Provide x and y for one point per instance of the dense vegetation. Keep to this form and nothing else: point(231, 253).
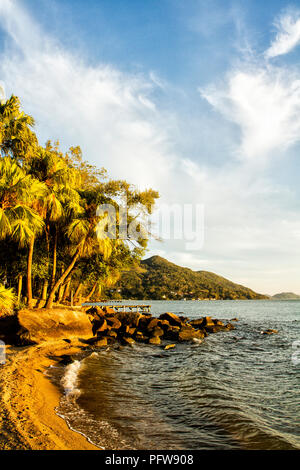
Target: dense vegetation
point(50, 248)
point(157, 278)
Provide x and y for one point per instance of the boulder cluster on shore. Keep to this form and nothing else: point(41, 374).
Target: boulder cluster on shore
point(127, 328)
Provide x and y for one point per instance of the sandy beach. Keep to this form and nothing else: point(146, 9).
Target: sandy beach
point(28, 400)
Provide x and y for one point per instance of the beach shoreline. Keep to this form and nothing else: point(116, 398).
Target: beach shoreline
point(28, 400)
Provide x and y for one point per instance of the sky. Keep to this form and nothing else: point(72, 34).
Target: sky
point(197, 99)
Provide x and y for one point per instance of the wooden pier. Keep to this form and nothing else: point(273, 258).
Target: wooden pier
point(129, 308)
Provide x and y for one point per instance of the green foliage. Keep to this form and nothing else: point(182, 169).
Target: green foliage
point(7, 299)
point(48, 214)
point(160, 279)
point(19, 192)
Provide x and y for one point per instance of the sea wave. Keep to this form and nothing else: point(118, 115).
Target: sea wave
point(69, 380)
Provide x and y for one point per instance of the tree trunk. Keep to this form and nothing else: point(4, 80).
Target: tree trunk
point(76, 294)
point(50, 300)
point(29, 270)
point(91, 293)
point(61, 291)
point(54, 260)
point(67, 290)
point(45, 289)
point(61, 288)
point(44, 293)
point(20, 282)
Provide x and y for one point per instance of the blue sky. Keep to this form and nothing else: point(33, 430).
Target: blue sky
point(198, 99)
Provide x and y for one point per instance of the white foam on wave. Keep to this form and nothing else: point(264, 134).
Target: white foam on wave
point(71, 410)
point(69, 380)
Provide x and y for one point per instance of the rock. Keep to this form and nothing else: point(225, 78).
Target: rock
point(199, 323)
point(101, 343)
point(127, 340)
point(131, 331)
point(65, 359)
point(197, 340)
point(188, 333)
point(143, 322)
point(173, 319)
point(137, 318)
point(155, 340)
point(234, 319)
point(229, 327)
point(95, 312)
point(91, 318)
point(214, 329)
point(91, 310)
point(157, 331)
point(169, 346)
point(202, 322)
point(184, 319)
point(99, 326)
point(269, 332)
point(91, 341)
point(108, 310)
point(164, 324)
point(172, 333)
point(38, 325)
point(100, 311)
point(127, 330)
point(112, 333)
point(129, 318)
point(113, 323)
point(152, 324)
point(208, 321)
point(218, 323)
point(140, 337)
point(157, 323)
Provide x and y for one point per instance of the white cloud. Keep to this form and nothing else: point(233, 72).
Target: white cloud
point(111, 114)
point(287, 37)
point(265, 104)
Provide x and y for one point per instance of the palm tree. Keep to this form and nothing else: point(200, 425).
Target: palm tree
point(82, 234)
point(19, 219)
point(49, 166)
point(16, 137)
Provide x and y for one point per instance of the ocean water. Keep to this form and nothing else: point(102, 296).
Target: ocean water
point(235, 390)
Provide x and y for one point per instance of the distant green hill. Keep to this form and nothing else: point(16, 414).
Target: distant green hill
point(286, 296)
point(158, 279)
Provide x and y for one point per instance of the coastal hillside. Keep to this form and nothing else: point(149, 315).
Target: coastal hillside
point(158, 278)
point(286, 296)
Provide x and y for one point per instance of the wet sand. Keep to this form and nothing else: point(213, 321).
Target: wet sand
point(28, 400)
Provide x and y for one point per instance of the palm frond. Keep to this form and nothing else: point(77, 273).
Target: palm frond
point(21, 232)
point(5, 226)
point(78, 230)
point(7, 298)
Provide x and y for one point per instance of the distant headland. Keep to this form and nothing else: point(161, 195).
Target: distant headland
point(159, 279)
point(286, 296)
